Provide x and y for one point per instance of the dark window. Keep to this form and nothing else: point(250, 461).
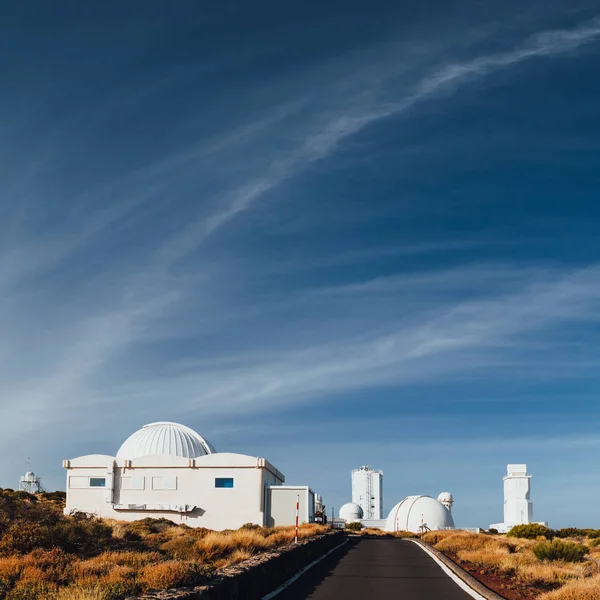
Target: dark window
point(224, 482)
point(97, 481)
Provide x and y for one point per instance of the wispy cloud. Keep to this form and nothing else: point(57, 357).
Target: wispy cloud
point(409, 341)
point(318, 145)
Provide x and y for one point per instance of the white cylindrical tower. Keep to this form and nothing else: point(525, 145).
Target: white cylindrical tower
point(518, 508)
point(367, 491)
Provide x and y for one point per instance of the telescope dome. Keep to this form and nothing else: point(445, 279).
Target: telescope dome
point(351, 512)
point(165, 439)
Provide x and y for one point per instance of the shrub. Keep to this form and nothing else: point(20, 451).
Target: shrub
point(594, 534)
point(27, 589)
point(404, 534)
point(173, 573)
point(569, 532)
point(560, 550)
point(356, 526)
point(493, 531)
point(531, 531)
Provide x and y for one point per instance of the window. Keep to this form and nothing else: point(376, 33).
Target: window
point(97, 481)
point(78, 482)
point(224, 482)
point(134, 482)
point(167, 482)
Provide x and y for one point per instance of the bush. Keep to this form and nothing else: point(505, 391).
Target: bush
point(560, 550)
point(493, 531)
point(356, 526)
point(569, 532)
point(594, 534)
point(531, 531)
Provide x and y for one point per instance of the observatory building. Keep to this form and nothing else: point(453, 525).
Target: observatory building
point(30, 482)
point(168, 470)
point(421, 513)
point(351, 512)
point(367, 491)
point(518, 508)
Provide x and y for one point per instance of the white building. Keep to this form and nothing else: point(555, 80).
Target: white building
point(168, 470)
point(421, 513)
point(367, 491)
point(518, 508)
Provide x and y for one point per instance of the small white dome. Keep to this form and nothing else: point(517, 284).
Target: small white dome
point(414, 511)
point(165, 439)
point(351, 512)
point(446, 499)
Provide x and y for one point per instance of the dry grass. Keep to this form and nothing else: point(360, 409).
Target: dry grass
point(581, 589)
point(380, 533)
point(45, 555)
point(513, 558)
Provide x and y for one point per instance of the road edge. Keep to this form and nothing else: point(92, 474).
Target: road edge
point(299, 574)
point(465, 580)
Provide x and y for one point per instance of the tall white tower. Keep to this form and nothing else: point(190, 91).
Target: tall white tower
point(367, 491)
point(518, 508)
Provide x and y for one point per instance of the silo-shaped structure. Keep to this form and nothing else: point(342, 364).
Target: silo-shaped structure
point(367, 491)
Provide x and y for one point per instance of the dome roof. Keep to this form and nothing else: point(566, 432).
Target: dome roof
point(165, 439)
point(351, 512)
point(410, 513)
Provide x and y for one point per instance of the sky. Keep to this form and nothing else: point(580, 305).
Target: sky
point(330, 233)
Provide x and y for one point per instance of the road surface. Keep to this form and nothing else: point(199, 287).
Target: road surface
point(373, 569)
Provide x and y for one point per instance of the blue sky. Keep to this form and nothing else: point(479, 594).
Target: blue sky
point(331, 234)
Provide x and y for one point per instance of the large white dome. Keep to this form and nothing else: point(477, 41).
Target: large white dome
point(166, 439)
point(414, 511)
point(351, 512)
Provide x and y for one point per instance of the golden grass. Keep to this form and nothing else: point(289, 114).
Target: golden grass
point(513, 557)
point(381, 533)
point(166, 556)
point(580, 589)
point(94, 592)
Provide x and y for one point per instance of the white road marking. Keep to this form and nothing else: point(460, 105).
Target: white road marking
point(300, 573)
point(450, 574)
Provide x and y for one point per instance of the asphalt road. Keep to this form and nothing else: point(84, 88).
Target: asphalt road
point(370, 569)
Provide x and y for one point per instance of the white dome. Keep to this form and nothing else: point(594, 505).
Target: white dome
point(166, 439)
point(445, 497)
point(414, 511)
point(351, 512)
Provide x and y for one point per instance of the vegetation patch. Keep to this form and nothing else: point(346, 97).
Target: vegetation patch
point(526, 568)
point(370, 532)
point(47, 555)
point(560, 550)
point(531, 531)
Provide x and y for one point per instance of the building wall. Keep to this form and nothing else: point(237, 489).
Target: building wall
point(227, 490)
point(281, 505)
